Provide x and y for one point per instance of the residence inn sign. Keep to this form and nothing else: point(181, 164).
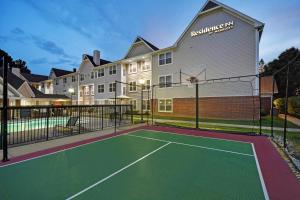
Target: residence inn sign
point(214, 29)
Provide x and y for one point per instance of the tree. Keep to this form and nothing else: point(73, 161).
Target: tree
point(21, 64)
point(7, 58)
point(283, 59)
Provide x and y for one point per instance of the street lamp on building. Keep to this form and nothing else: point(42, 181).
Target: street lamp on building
point(71, 91)
point(142, 83)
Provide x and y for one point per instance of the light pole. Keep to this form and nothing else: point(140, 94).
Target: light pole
point(142, 82)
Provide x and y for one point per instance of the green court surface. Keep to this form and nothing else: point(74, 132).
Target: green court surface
point(140, 165)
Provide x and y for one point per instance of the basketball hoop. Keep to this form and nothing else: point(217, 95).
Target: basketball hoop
point(192, 80)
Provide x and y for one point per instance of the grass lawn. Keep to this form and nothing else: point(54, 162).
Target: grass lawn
point(293, 137)
point(266, 121)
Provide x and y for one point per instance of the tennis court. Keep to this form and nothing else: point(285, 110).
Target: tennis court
point(142, 164)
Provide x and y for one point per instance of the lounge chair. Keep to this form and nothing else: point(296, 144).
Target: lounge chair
point(69, 127)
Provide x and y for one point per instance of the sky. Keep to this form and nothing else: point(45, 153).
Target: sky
point(55, 33)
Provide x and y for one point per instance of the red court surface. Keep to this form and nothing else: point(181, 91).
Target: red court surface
point(280, 182)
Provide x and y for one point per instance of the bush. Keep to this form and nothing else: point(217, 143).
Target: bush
point(293, 105)
point(279, 104)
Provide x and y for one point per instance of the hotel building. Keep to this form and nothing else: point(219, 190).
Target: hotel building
point(220, 42)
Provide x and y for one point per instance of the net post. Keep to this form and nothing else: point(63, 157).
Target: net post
point(148, 104)
point(197, 105)
point(131, 113)
point(286, 106)
point(4, 113)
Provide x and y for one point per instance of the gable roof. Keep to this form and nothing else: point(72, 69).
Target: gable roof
point(102, 61)
point(211, 5)
point(34, 77)
point(12, 79)
point(39, 94)
point(147, 43)
point(60, 72)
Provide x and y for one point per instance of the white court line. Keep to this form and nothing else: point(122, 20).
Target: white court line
point(117, 172)
point(260, 174)
point(197, 136)
point(191, 145)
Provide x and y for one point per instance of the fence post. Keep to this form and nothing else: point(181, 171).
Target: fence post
point(4, 113)
point(286, 106)
point(131, 113)
point(152, 103)
point(142, 99)
point(102, 118)
point(272, 107)
point(115, 109)
point(259, 96)
point(47, 124)
point(79, 119)
point(197, 105)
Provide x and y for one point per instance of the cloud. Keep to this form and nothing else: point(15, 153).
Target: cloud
point(18, 31)
point(48, 46)
point(19, 35)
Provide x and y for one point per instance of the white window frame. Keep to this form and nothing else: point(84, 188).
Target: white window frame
point(146, 104)
point(134, 105)
point(165, 99)
point(143, 67)
point(57, 81)
point(130, 68)
point(92, 90)
point(131, 85)
point(92, 75)
point(81, 77)
point(165, 81)
point(146, 85)
point(73, 79)
point(103, 88)
point(100, 73)
point(112, 70)
point(165, 58)
point(112, 87)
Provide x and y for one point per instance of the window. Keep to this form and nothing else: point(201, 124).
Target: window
point(165, 58)
point(133, 103)
point(65, 80)
point(112, 70)
point(43, 85)
point(165, 105)
point(124, 72)
point(132, 86)
point(132, 68)
point(100, 88)
point(81, 77)
point(147, 85)
point(112, 87)
point(92, 75)
point(57, 81)
point(124, 91)
point(146, 104)
point(92, 89)
point(86, 90)
point(165, 81)
point(145, 66)
point(101, 72)
point(73, 78)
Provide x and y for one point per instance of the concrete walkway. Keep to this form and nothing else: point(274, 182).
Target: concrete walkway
point(229, 125)
point(291, 119)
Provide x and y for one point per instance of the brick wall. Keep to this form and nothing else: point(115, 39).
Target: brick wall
point(244, 107)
